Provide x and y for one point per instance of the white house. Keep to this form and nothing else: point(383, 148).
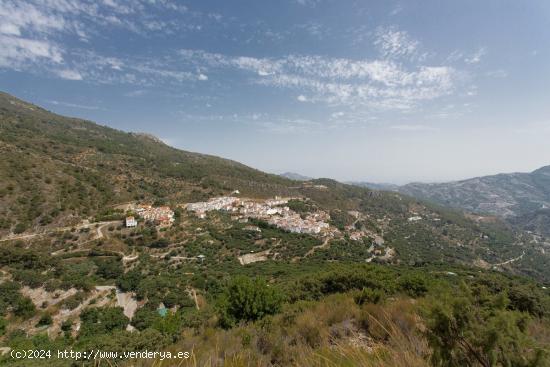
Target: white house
point(131, 222)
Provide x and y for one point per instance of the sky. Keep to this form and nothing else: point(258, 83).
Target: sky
point(380, 91)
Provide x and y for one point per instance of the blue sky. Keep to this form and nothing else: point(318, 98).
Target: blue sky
point(393, 91)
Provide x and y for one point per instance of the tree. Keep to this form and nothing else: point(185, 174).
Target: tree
point(110, 269)
point(247, 299)
point(144, 318)
point(24, 308)
point(129, 281)
point(102, 320)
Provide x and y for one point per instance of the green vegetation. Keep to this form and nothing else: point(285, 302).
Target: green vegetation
point(403, 293)
point(98, 321)
point(248, 300)
point(467, 329)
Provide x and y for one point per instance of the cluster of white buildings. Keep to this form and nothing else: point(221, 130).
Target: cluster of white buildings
point(293, 222)
point(161, 215)
point(227, 203)
point(272, 211)
point(252, 209)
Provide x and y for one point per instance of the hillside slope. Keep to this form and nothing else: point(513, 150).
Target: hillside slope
point(57, 169)
point(283, 270)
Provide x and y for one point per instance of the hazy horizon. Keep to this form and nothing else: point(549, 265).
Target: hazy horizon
point(374, 91)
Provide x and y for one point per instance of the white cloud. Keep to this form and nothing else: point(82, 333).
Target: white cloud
point(10, 29)
point(202, 77)
point(33, 32)
point(394, 43)
point(24, 15)
point(17, 53)
point(398, 8)
point(69, 74)
point(381, 83)
point(476, 56)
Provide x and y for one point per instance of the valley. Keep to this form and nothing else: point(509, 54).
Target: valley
point(109, 239)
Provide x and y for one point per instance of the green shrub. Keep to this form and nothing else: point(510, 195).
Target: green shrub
point(247, 299)
point(20, 228)
point(109, 269)
point(24, 308)
point(67, 326)
point(464, 329)
point(369, 295)
point(144, 318)
point(102, 320)
point(414, 285)
point(45, 320)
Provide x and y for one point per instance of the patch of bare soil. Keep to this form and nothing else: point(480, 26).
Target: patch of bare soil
point(40, 296)
point(254, 257)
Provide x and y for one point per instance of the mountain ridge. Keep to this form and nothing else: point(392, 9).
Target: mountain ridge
point(520, 197)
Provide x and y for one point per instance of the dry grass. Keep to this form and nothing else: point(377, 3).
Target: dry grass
point(333, 332)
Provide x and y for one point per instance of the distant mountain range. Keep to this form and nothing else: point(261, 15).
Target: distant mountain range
point(521, 198)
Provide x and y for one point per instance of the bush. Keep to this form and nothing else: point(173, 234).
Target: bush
point(102, 320)
point(109, 269)
point(526, 300)
point(144, 318)
point(369, 295)
point(24, 308)
point(129, 281)
point(20, 228)
point(414, 285)
point(67, 326)
point(468, 330)
point(45, 320)
point(247, 299)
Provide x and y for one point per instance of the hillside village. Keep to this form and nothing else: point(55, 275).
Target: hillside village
point(272, 211)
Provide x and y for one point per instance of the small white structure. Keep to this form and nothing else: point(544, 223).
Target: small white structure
point(131, 222)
